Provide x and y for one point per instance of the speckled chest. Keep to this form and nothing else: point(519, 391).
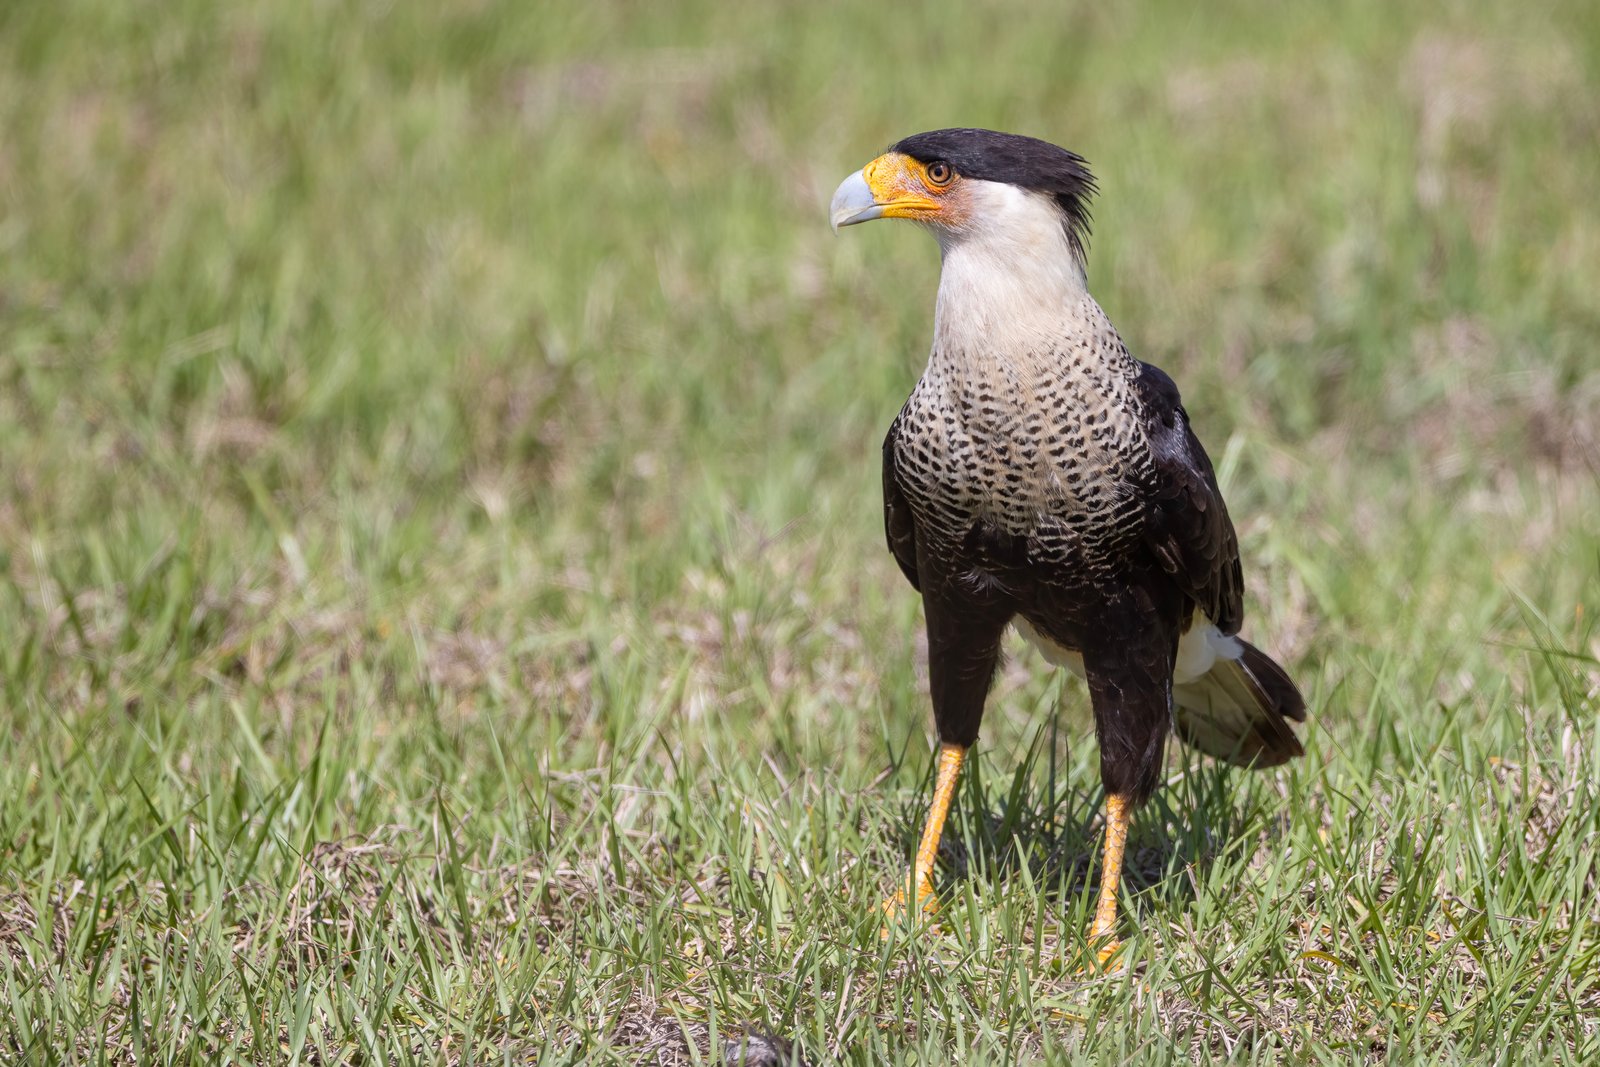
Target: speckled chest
point(1046, 446)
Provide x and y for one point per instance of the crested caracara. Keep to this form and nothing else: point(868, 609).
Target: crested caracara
point(1040, 476)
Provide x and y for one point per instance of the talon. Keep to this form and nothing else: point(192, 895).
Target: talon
point(894, 905)
point(1107, 959)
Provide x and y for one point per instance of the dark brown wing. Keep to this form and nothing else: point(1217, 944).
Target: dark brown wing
point(1188, 529)
point(898, 523)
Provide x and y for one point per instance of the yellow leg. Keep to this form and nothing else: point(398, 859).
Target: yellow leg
point(1103, 932)
point(944, 790)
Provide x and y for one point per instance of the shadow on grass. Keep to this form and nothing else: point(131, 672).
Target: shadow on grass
point(1034, 820)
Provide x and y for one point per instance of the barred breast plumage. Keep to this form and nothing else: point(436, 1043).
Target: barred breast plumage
point(1046, 445)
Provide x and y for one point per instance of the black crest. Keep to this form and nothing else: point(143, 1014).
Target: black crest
point(1026, 162)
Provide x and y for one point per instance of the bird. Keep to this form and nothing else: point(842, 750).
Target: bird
point(1039, 476)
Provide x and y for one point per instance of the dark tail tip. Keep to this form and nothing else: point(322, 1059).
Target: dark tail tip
point(1276, 687)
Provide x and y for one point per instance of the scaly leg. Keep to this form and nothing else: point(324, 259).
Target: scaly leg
point(944, 790)
point(1103, 931)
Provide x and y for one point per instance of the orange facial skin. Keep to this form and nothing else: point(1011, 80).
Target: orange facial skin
point(902, 186)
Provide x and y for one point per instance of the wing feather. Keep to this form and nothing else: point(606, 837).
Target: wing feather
point(899, 524)
point(1189, 531)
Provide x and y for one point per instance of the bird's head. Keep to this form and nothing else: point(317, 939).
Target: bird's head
point(964, 183)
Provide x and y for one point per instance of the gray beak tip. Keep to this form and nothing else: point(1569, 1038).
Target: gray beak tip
point(853, 202)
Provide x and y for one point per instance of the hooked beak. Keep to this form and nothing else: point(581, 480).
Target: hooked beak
point(890, 187)
point(853, 202)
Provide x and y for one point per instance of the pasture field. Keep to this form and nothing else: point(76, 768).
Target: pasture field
point(444, 613)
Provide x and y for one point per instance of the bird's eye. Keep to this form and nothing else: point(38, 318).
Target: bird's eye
point(940, 173)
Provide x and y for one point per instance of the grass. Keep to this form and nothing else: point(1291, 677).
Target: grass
point(446, 618)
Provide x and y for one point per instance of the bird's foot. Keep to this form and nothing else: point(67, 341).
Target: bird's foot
point(1107, 957)
point(894, 907)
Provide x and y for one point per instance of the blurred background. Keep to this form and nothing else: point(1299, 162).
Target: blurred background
point(425, 426)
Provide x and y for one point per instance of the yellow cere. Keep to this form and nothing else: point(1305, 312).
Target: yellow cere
point(899, 183)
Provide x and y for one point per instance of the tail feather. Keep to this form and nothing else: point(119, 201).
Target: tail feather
point(1240, 710)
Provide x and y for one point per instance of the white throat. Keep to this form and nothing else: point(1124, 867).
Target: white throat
point(1009, 281)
